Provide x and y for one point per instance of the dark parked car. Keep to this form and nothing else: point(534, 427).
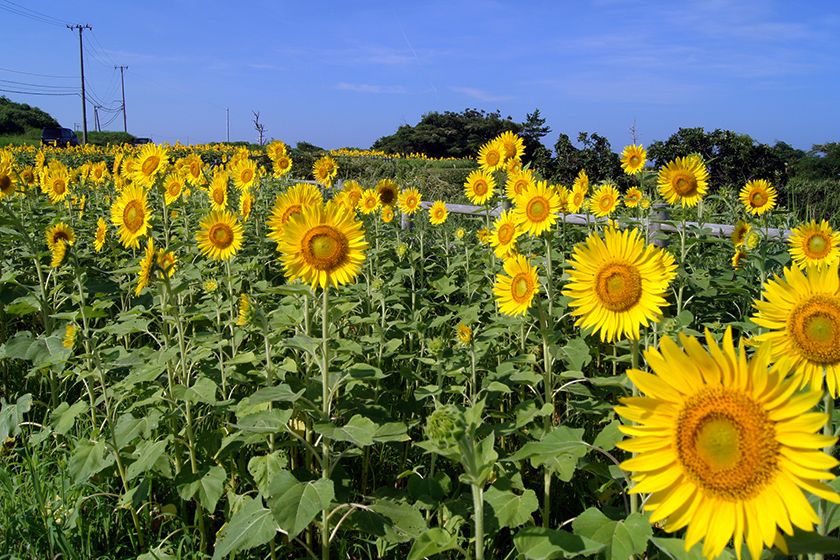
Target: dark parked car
point(141, 141)
point(59, 137)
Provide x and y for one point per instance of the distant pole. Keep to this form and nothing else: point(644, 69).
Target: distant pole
point(227, 120)
point(96, 118)
point(122, 81)
point(82, 65)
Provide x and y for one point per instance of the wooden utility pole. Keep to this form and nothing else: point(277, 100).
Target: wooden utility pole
point(122, 81)
point(82, 64)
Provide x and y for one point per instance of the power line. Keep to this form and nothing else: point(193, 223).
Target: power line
point(23, 11)
point(35, 92)
point(27, 84)
point(101, 48)
point(38, 75)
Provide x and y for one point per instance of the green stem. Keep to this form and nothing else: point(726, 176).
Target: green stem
point(634, 364)
point(548, 276)
point(478, 518)
point(325, 411)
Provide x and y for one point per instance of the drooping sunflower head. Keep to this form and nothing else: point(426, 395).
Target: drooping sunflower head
point(724, 446)
point(60, 233)
point(59, 251)
point(484, 236)
point(246, 311)
point(101, 231)
point(518, 182)
point(758, 196)
point(738, 258)
point(409, 201)
point(369, 202)
point(152, 160)
point(146, 263)
point(479, 187)
point(581, 182)
point(633, 197)
point(740, 232)
point(617, 284)
point(387, 214)
point(325, 170)
point(438, 213)
point(464, 333)
point(604, 201)
point(563, 196)
point(491, 156)
point(389, 192)
point(513, 147)
point(633, 159)
point(131, 215)
point(69, 340)
point(218, 190)
point(505, 233)
point(684, 180)
point(814, 244)
point(246, 202)
point(801, 312)
point(515, 289)
point(220, 235)
point(535, 210)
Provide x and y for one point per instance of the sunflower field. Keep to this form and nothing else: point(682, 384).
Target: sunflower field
point(209, 352)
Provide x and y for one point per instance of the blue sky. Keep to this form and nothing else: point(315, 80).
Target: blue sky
point(343, 74)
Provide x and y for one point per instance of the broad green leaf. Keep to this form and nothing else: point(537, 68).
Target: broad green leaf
point(609, 436)
point(264, 467)
point(208, 484)
point(406, 521)
point(157, 553)
point(434, 541)
point(622, 538)
point(265, 422)
point(252, 525)
point(11, 415)
point(509, 509)
point(675, 549)
point(576, 352)
point(802, 542)
point(559, 450)
point(295, 504)
point(147, 455)
point(539, 543)
point(89, 457)
point(359, 431)
point(391, 431)
point(202, 391)
point(64, 416)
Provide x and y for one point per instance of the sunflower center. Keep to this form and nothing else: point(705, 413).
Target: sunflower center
point(220, 235)
point(247, 175)
point(480, 187)
point(618, 286)
point(59, 186)
point(174, 188)
point(133, 216)
point(5, 183)
point(814, 326)
point(386, 196)
point(685, 184)
point(758, 199)
point(634, 160)
point(150, 164)
point(505, 234)
point(283, 162)
point(493, 158)
point(324, 248)
point(195, 169)
point(817, 246)
point(726, 443)
point(219, 196)
point(521, 288)
point(606, 202)
point(537, 209)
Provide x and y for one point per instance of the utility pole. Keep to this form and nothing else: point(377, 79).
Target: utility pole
point(82, 64)
point(122, 80)
point(227, 120)
point(96, 118)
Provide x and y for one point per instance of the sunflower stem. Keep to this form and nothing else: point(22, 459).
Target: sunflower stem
point(325, 411)
point(548, 387)
point(478, 518)
point(548, 274)
point(634, 364)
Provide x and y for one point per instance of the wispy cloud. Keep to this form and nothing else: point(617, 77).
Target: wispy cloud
point(362, 55)
point(479, 94)
point(371, 88)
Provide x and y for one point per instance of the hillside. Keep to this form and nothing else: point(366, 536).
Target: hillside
point(17, 119)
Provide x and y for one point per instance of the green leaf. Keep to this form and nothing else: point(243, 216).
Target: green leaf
point(264, 467)
point(577, 355)
point(202, 391)
point(358, 431)
point(11, 415)
point(64, 416)
point(802, 542)
point(539, 543)
point(509, 509)
point(265, 422)
point(88, 459)
point(406, 521)
point(147, 455)
point(295, 504)
point(434, 541)
point(609, 436)
point(623, 539)
point(252, 525)
point(391, 431)
point(559, 451)
point(209, 485)
point(157, 553)
point(675, 549)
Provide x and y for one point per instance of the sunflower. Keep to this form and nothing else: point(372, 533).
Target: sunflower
point(387, 214)
point(220, 236)
point(246, 312)
point(153, 159)
point(323, 245)
point(633, 159)
point(324, 170)
point(146, 264)
point(575, 201)
point(581, 182)
point(605, 200)
point(738, 258)
point(369, 202)
point(218, 190)
point(479, 187)
point(740, 232)
point(101, 231)
point(276, 149)
point(464, 333)
point(484, 236)
point(802, 314)
point(409, 201)
point(758, 197)
point(535, 210)
point(563, 195)
point(504, 235)
point(244, 173)
point(460, 233)
point(388, 191)
point(515, 291)
point(28, 176)
point(438, 213)
point(724, 446)
point(55, 181)
point(518, 182)
point(684, 180)
point(69, 340)
point(353, 190)
point(131, 215)
point(617, 284)
point(633, 197)
point(7, 174)
point(293, 201)
point(60, 233)
point(59, 251)
point(173, 186)
point(814, 244)
point(491, 156)
point(98, 172)
point(512, 145)
point(246, 201)
point(194, 167)
point(165, 262)
point(281, 166)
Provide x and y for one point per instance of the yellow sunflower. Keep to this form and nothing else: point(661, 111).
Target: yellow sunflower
point(281, 166)
point(388, 191)
point(55, 181)
point(246, 201)
point(146, 264)
point(740, 232)
point(438, 213)
point(60, 233)
point(246, 312)
point(69, 340)
point(8, 177)
point(369, 202)
point(244, 173)
point(535, 210)
point(684, 180)
point(276, 150)
point(387, 214)
point(409, 201)
point(173, 186)
point(633, 197)
point(101, 231)
point(59, 251)
point(464, 333)
point(512, 145)
point(505, 234)
point(515, 290)
point(605, 200)
point(354, 192)
point(802, 314)
point(479, 187)
point(293, 201)
point(484, 236)
point(325, 170)
point(581, 182)
point(323, 245)
point(518, 182)
point(758, 197)
point(724, 445)
point(575, 201)
point(131, 215)
point(218, 190)
point(98, 172)
point(194, 168)
point(738, 258)
point(814, 244)
point(617, 284)
point(491, 156)
point(220, 236)
point(633, 159)
point(563, 196)
point(152, 160)
point(165, 263)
